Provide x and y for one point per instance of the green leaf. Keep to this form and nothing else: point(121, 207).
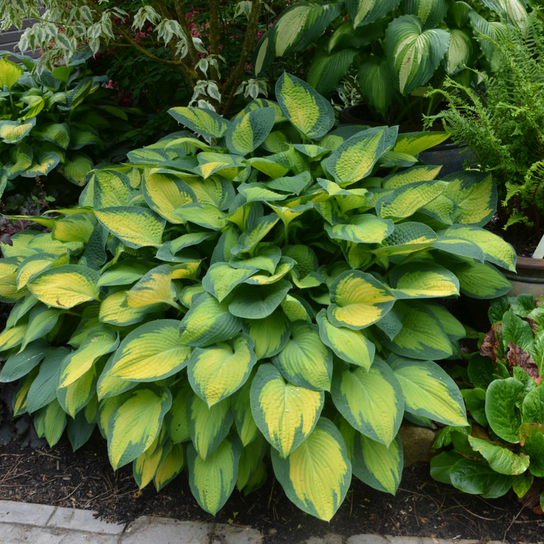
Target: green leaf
point(481, 280)
point(413, 53)
point(430, 12)
point(478, 478)
point(361, 229)
point(65, 286)
point(127, 441)
point(208, 425)
point(201, 121)
point(241, 409)
point(78, 227)
point(212, 480)
point(56, 133)
point(355, 157)
point(309, 112)
point(151, 352)
point(176, 420)
point(423, 280)
point(249, 131)
point(358, 300)
point(371, 401)
point(500, 459)
point(258, 302)
point(208, 322)
point(50, 422)
point(316, 476)
point(305, 360)
point(429, 391)
point(134, 226)
point(352, 346)
point(364, 12)
point(376, 82)
point(414, 143)
point(475, 195)
point(222, 278)
point(376, 465)
point(76, 168)
point(10, 73)
point(502, 402)
point(327, 69)
point(284, 413)
point(12, 132)
point(216, 372)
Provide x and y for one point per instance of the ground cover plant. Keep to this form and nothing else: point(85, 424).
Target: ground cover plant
point(394, 49)
point(253, 288)
point(502, 448)
point(54, 126)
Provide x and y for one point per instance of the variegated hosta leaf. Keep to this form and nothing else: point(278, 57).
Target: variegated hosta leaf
point(201, 121)
point(127, 441)
point(74, 397)
point(74, 228)
point(355, 157)
point(43, 164)
point(475, 195)
point(241, 409)
point(317, 475)
point(205, 215)
point(20, 397)
point(250, 463)
point(216, 372)
point(423, 280)
point(208, 322)
point(153, 288)
point(212, 480)
point(459, 52)
point(285, 414)
point(495, 249)
point(41, 321)
point(50, 422)
point(269, 334)
point(364, 12)
point(414, 53)
point(222, 278)
point(305, 360)
point(109, 188)
point(229, 166)
point(429, 391)
point(377, 83)
point(76, 168)
point(248, 132)
point(65, 286)
point(10, 73)
point(430, 12)
point(370, 400)
point(164, 193)
point(410, 175)
point(78, 362)
point(13, 337)
point(376, 465)
point(115, 310)
point(176, 420)
point(406, 200)
point(481, 280)
point(307, 110)
point(208, 425)
point(358, 300)
point(134, 226)
point(350, 345)
point(408, 237)
point(145, 467)
point(328, 69)
point(33, 266)
point(362, 229)
point(421, 336)
point(170, 467)
point(151, 352)
point(12, 132)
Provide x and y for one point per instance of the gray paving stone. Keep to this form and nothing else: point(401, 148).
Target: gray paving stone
point(367, 539)
point(229, 534)
point(25, 513)
point(24, 534)
point(83, 520)
point(329, 539)
point(150, 530)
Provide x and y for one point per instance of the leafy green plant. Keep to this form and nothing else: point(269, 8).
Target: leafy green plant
point(55, 122)
point(502, 448)
point(502, 122)
point(194, 51)
point(264, 289)
point(394, 47)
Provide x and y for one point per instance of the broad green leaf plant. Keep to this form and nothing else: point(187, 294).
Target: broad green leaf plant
point(253, 288)
point(502, 448)
point(59, 121)
point(394, 47)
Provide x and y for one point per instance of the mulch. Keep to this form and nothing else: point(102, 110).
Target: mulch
point(422, 507)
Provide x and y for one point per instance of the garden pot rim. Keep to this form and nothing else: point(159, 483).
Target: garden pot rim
point(529, 263)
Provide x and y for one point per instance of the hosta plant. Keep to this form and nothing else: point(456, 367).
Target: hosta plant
point(502, 448)
point(59, 121)
point(264, 290)
point(394, 47)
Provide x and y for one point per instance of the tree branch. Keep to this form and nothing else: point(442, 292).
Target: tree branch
point(214, 37)
point(236, 77)
point(193, 53)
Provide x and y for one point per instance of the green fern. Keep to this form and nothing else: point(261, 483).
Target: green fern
point(502, 121)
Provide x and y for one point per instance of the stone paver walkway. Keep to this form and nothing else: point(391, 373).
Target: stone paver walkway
point(24, 523)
